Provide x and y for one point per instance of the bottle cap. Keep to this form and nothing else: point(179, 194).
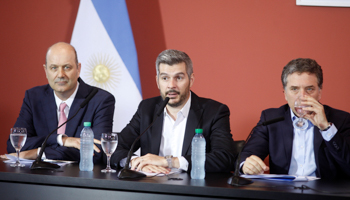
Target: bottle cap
point(199, 131)
point(87, 123)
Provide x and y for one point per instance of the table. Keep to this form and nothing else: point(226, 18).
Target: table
point(70, 183)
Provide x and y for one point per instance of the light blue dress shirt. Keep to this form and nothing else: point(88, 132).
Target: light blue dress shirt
point(303, 157)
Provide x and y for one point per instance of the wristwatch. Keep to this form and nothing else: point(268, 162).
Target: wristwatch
point(329, 126)
point(169, 159)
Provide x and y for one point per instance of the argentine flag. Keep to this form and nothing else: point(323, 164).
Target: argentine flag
point(105, 46)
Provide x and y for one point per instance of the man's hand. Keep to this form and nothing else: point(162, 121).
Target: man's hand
point(155, 169)
point(75, 142)
point(254, 165)
point(150, 159)
point(315, 113)
point(29, 154)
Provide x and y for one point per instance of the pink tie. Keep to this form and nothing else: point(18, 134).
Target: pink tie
point(63, 118)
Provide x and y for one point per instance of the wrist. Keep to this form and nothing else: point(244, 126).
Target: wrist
point(29, 154)
point(326, 127)
point(176, 162)
point(64, 140)
point(169, 160)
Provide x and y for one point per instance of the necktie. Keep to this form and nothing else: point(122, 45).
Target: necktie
point(62, 119)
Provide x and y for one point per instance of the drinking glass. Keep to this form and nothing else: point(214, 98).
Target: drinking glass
point(18, 137)
point(300, 123)
point(109, 142)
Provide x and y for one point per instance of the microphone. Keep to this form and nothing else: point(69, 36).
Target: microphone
point(162, 106)
point(265, 123)
point(38, 163)
point(89, 97)
point(236, 180)
point(126, 172)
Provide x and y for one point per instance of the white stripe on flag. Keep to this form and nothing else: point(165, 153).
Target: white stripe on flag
point(102, 65)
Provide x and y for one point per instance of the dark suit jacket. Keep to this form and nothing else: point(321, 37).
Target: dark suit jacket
point(276, 140)
point(211, 116)
point(39, 115)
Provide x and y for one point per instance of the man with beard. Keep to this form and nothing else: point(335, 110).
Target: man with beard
point(167, 144)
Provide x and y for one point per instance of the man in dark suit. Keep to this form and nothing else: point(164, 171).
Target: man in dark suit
point(167, 144)
point(322, 149)
point(40, 111)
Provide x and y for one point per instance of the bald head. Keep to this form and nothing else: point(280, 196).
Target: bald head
point(62, 69)
point(61, 46)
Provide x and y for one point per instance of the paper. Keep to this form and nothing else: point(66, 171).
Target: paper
point(12, 159)
point(281, 177)
point(173, 171)
point(60, 161)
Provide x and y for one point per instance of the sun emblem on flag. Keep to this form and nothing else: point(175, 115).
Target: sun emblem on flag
point(103, 72)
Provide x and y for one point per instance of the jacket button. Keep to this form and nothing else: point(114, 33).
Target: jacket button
point(335, 145)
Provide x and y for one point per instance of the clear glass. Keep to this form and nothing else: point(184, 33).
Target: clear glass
point(18, 137)
point(300, 122)
point(109, 142)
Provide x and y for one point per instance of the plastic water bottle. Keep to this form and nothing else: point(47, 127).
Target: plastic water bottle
point(198, 155)
point(86, 148)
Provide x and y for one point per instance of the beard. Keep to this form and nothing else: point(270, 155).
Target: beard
point(183, 97)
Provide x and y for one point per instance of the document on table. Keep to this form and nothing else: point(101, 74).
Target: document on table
point(12, 159)
point(281, 177)
point(173, 171)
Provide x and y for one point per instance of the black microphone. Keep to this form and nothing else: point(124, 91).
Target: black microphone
point(265, 123)
point(126, 172)
point(38, 163)
point(162, 106)
point(89, 97)
point(236, 180)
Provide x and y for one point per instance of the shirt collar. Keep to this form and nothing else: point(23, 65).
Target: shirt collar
point(69, 101)
point(292, 115)
point(184, 111)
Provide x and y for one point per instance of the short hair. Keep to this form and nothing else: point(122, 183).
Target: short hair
point(171, 57)
point(301, 65)
point(75, 52)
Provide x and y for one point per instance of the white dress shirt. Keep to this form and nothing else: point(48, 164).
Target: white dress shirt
point(173, 134)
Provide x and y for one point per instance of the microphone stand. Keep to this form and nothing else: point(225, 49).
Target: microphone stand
point(38, 163)
point(236, 179)
point(126, 172)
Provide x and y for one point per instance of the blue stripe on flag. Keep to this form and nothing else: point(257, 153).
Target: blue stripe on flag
point(115, 18)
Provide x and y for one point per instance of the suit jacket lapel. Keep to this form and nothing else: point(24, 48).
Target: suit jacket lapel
point(72, 126)
point(317, 143)
point(156, 131)
point(288, 135)
point(50, 109)
point(193, 119)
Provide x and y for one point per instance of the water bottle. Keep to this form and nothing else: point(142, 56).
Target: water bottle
point(198, 155)
point(86, 148)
